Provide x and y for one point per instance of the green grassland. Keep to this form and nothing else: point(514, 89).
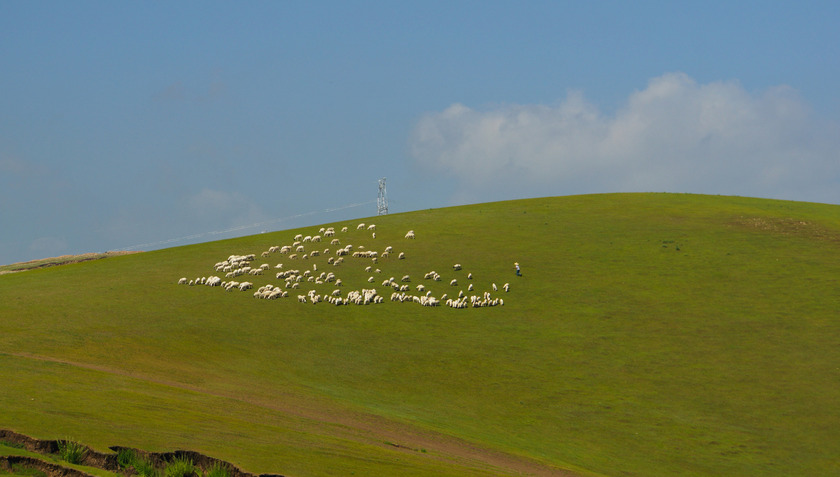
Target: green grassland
point(651, 334)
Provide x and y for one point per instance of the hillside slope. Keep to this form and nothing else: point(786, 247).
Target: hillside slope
point(650, 334)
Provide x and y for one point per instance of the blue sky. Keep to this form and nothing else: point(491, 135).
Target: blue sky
point(142, 125)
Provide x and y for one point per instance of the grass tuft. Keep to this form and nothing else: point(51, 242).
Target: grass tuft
point(145, 468)
point(218, 470)
point(126, 458)
point(180, 467)
point(71, 451)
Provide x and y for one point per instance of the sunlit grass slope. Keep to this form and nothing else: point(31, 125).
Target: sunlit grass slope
point(651, 334)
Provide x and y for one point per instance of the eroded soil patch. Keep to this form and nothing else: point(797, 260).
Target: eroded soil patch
point(101, 460)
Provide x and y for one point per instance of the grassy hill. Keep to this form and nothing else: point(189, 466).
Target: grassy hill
point(651, 334)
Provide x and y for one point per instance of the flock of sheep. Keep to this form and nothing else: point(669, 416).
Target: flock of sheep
point(303, 251)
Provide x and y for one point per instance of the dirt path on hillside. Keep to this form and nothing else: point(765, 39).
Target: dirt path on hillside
point(365, 428)
point(56, 261)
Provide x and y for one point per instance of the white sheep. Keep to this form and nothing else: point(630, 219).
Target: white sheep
point(506, 286)
point(371, 227)
point(410, 234)
point(360, 226)
point(401, 256)
point(454, 282)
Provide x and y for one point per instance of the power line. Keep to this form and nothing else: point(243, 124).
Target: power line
point(241, 227)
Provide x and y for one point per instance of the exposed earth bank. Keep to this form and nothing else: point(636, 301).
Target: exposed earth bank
point(99, 460)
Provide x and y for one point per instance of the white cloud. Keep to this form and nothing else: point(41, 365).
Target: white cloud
point(675, 135)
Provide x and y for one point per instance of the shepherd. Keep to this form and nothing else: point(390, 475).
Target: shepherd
point(518, 273)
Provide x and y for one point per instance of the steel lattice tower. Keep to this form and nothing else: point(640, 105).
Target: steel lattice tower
point(382, 199)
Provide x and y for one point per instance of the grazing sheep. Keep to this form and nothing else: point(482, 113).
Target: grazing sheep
point(360, 226)
point(371, 227)
point(454, 282)
point(469, 276)
point(410, 234)
point(344, 229)
point(401, 256)
point(506, 286)
point(298, 237)
point(405, 278)
point(494, 286)
point(183, 281)
point(457, 266)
